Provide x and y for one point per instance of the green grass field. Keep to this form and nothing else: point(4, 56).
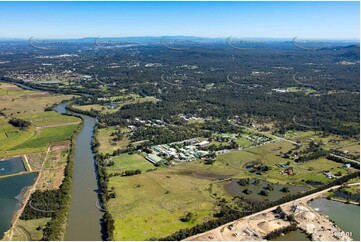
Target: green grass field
point(30, 226)
point(270, 155)
point(154, 202)
point(241, 141)
point(47, 136)
point(49, 118)
point(105, 109)
point(106, 144)
point(305, 91)
point(330, 141)
point(130, 162)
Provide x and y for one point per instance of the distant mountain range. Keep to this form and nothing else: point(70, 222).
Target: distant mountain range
point(157, 39)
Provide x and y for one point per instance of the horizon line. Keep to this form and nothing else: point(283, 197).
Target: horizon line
point(188, 36)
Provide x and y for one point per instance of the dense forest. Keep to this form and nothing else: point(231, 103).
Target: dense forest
point(210, 80)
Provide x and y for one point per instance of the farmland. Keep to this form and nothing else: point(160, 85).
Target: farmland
point(197, 188)
point(270, 155)
point(169, 194)
point(130, 162)
point(43, 143)
point(107, 145)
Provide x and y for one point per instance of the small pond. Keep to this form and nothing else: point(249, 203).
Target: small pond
point(234, 189)
point(297, 235)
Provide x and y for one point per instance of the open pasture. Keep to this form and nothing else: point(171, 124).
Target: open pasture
point(330, 141)
point(107, 145)
point(270, 155)
point(29, 103)
point(44, 137)
point(125, 162)
point(107, 109)
point(155, 201)
point(49, 118)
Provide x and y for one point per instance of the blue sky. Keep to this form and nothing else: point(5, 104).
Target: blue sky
point(320, 20)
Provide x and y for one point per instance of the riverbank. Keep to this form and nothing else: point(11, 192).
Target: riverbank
point(54, 229)
point(343, 201)
point(84, 217)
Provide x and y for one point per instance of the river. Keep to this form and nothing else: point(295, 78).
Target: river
point(84, 222)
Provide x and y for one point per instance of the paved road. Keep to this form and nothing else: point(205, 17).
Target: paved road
point(354, 161)
point(265, 133)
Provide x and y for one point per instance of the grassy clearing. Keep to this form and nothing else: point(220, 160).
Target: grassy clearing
point(106, 144)
point(106, 109)
point(313, 170)
point(352, 189)
point(131, 162)
point(241, 141)
point(330, 141)
point(270, 155)
point(9, 89)
point(9, 134)
point(49, 118)
point(31, 226)
point(47, 136)
point(29, 103)
point(11, 137)
point(353, 149)
point(305, 91)
point(153, 202)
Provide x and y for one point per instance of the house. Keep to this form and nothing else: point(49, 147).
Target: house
point(203, 143)
point(132, 127)
point(347, 165)
point(329, 175)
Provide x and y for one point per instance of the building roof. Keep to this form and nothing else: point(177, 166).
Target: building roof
point(154, 158)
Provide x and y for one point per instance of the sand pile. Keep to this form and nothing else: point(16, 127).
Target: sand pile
point(305, 213)
point(268, 226)
point(310, 228)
